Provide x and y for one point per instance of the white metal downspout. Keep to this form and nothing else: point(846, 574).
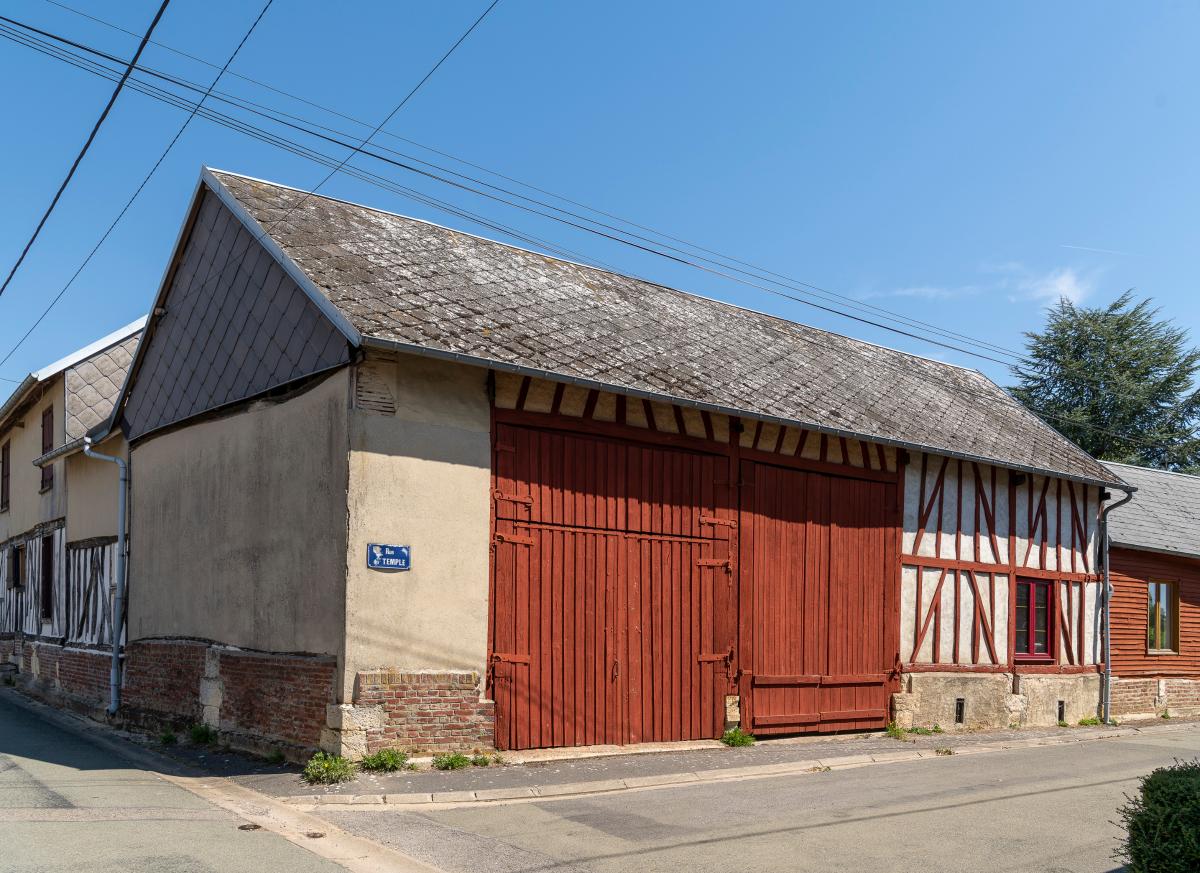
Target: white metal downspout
point(1102, 555)
point(118, 618)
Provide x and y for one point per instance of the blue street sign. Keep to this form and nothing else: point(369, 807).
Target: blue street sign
point(382, 557)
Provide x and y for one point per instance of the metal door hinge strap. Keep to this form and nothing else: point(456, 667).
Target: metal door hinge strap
point(514, 539)
point(512, 498)
point(713, 520)
point(509, 658)
point(715, 562)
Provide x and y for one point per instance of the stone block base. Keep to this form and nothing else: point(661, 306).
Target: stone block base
point(989, 700)
point(435, 711)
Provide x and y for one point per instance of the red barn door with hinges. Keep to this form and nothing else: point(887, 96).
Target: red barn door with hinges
point(613, 590)
point(817, 579)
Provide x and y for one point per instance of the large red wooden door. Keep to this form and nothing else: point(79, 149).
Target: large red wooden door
point(815, 600)
point(613, 590)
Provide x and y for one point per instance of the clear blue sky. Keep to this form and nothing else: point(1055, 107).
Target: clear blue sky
point(964, 163)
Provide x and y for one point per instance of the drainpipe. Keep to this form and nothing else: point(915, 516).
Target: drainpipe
point(1102, 559)
point(118, 622)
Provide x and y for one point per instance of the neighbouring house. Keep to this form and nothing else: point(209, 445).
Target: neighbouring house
point(1155, 573)
point(58, 521)
point(398, 485)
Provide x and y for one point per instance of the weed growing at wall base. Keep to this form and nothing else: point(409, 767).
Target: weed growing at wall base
point(324, 769)
point(386, 761)
point(457, 761)
point(737, 737)
point(202, 734)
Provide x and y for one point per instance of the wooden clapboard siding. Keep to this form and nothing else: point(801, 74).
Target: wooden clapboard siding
point(1131, 572)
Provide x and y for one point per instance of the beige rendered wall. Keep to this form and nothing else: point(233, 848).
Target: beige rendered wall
point(27, 506)
point(238, 526)
point(92, 491)
point(420, 477)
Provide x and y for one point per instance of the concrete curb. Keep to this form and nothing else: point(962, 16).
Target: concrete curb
point(727, 774)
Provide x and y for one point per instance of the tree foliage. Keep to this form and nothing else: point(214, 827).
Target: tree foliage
point(1118, 381)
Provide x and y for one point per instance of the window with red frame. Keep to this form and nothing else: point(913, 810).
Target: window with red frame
point(47, 445)
point(1034, 620)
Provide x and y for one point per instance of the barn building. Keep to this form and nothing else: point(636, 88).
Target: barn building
point(627, 513)
point(1155, 559)
point(58, 528)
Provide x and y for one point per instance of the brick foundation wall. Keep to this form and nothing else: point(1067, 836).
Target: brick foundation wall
point(1150, 696)
point(258, 700)
point(1134, 696)
point(1183, 695)
point(274, 696)
point(163, 680)
point(428, 711)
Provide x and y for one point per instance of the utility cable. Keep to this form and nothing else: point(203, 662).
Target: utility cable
point(87, 145)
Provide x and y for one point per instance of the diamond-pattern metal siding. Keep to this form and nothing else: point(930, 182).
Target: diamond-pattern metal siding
point(400, 279)
point(92, 386)
point(235, 325)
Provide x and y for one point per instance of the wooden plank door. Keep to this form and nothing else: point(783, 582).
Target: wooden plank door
point(814, 557)
point(611, 591)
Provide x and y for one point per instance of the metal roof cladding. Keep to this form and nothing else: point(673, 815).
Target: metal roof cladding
point(411, 285)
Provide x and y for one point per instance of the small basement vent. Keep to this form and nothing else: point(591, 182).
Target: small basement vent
point(371, 390)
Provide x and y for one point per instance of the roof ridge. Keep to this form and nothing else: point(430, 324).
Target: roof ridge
point(1151, 469)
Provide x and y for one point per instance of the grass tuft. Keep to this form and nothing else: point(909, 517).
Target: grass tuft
point(944, 751)
point(324, 769)
point(202, 734)
point(480, 760)
point(456, 761)
point(924, 731)
point(167, 737)
point(894, 731)
point(1064, 724)
point(1089, 721)
point(735, 737)
point(386, 761)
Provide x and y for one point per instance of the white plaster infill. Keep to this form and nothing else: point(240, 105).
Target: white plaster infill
point(814, 766)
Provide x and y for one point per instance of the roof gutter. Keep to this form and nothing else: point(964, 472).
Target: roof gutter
point(1102, 558)
point(475, 360)
point(14, 399)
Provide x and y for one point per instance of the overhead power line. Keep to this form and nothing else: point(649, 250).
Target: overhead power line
point(87, 145)
point(390, 185)
point(807, 288)
point(137, 191)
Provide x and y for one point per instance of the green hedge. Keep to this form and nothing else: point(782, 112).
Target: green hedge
point(1163, 823)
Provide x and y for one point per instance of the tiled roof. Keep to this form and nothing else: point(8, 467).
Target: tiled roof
point(1164, 515)
point(92, 386)
point(420, 286)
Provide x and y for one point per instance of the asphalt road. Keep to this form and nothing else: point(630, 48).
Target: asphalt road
point(69, 805)
point(1039, 809)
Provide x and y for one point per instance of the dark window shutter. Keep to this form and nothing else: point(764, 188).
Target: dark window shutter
point(47, 445)
point(47, 577)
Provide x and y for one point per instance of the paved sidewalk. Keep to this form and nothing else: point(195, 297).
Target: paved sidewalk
point(589, 775)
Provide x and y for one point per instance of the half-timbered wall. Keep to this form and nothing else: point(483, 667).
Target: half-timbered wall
point(90, 584)
point(21, 603)
point(970, 531)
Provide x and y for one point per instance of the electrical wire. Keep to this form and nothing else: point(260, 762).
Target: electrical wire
point(145, 180)
point(389, 185)
point(86, 145)
point(815, 290)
